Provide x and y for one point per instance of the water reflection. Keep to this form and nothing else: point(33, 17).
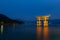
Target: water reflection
point(39, 30)
point(30, 32)
point(45, 32)
point(14, 25)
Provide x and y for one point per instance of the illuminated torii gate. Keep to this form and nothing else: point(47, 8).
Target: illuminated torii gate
point(45, 18)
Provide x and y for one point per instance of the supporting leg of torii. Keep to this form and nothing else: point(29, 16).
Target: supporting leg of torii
point(45, 22)
point(38, 22)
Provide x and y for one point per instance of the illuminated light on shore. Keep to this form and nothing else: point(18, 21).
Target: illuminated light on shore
point(2, 27)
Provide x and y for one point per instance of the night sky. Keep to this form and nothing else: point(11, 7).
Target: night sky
point(29, 9)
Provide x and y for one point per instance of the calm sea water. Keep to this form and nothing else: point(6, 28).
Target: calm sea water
point(30, 32)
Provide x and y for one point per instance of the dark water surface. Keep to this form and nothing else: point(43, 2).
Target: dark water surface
point(30, 32)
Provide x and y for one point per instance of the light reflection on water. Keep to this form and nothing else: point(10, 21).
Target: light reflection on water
point(45, 33)
point(30, 32)
point(42, 35)
point(39, 30)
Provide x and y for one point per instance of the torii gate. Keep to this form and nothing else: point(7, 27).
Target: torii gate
point(45, 18)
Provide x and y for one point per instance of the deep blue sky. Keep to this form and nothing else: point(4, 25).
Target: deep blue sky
point(29, 9)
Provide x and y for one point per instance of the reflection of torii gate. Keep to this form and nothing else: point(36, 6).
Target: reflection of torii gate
point(45, 18)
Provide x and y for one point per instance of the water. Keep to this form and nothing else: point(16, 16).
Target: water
point(30, 32)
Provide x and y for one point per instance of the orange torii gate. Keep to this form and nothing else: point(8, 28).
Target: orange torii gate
point(45, 18)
